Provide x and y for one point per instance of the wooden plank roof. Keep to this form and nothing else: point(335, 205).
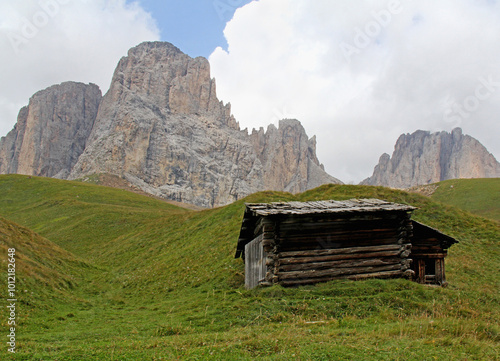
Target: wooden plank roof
point(421, 231)
point(328, 206)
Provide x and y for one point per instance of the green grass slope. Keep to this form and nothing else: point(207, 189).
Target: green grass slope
point(41, 264)
point(163, 284)
point(478, 196)
point(83, 218)
point(44, 273)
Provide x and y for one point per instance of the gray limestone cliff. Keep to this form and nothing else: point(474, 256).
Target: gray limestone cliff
point(161, 127)
point(423, 158)
point(288, 158)
point(51, 132)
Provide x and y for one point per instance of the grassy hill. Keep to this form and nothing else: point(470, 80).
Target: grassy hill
point(478, 196)
point(47, 270)
point(150, 280)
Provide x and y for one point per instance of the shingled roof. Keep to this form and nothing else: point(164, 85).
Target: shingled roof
point(329, 206)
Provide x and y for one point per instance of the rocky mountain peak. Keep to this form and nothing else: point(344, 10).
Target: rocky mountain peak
point(51, 132)
point(173, 81)
point(160, 128)
point(288, 157)
point(424, 157)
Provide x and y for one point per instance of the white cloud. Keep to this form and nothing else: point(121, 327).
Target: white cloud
point(45, 42)
point(359, 73)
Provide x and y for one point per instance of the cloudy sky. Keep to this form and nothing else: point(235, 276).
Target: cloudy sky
point(357, 74)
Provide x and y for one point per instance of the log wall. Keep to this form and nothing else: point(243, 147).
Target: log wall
point(309, 250)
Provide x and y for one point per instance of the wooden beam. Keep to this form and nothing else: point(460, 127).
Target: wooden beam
point(349, 263)
point(427, 255)
point(386, 274)
point(349, 250)
point(338, 257)
point(297, 233)
point(344, 218)
point(421, 271)
point(440, 277)
point(337, 272)
point(328, 244)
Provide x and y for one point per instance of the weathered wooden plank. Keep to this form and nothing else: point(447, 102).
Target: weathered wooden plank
point(439, 271)
point(406, 263)
point(338, 225)
point(268, 235)
point(338, 257)
point(341, 219)
point(337, 272)
point(337, 230)
point(352, 205)
point(346, 210)
point(255, 266)
point(327, 244)
point(383, 274)
point(258, 226)
point(428, 255)
point(313, 224)
point(349, 250)
point(268, 242)
point(345, 233)
point(343, 263)
point(405, 254)
point(421, 247)
point(347, 237)
point(315, 241)
point(421, 271)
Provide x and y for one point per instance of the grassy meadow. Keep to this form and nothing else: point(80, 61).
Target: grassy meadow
point(106, 274)
point(479, 196)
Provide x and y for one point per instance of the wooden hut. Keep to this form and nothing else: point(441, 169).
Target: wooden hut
point(429, 248)
point(298, 243)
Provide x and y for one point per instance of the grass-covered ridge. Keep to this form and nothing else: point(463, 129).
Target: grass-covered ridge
point(160, 282)
point(478, 196)
point(46, 268)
